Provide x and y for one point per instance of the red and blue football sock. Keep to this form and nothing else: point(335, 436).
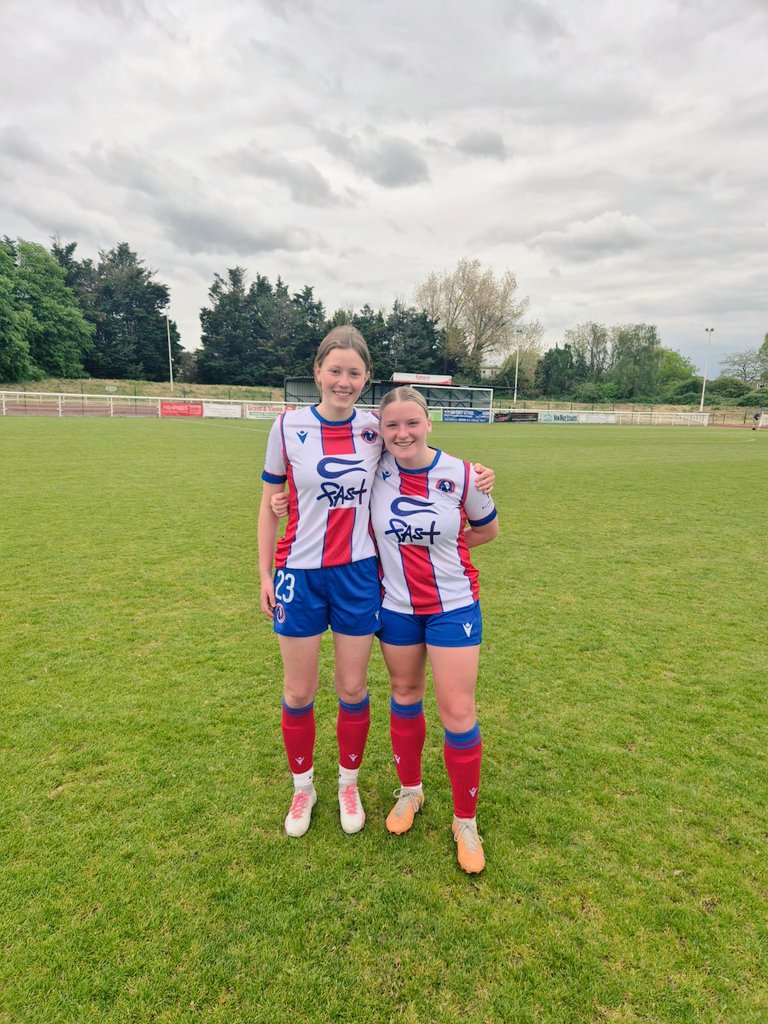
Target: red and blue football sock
point(352, 725)
point(463, 752)
point(407, 730)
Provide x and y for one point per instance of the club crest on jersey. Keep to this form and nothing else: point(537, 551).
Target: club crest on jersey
point(302, 435)
point(369, 436)
point(411, 533)
point(447, 486)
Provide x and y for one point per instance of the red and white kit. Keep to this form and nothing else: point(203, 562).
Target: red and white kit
point(330, 469)
point(418, 518)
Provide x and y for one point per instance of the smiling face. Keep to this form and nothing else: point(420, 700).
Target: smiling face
point(404, 429)
point(340, 378)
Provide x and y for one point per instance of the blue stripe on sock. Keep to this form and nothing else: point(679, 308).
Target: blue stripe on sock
point(297, 712)
point(356, 709)
point(463, 740)
point(406, 710)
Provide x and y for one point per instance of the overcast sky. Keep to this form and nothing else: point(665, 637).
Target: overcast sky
point(614, 156)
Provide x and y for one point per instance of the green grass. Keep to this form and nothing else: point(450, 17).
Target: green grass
point(144, 872)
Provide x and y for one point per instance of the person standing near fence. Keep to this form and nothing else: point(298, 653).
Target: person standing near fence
point(325, 566)
point(324, 571)
point(426, 513)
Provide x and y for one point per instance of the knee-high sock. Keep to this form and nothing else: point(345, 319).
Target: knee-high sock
point(463, 752)
point(407, 730)
point(298, 725)
point(352, 726)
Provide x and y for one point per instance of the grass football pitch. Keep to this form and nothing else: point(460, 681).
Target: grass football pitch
point(144, 871)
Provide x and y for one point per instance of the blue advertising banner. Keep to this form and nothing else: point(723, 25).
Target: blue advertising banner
point(466, 415)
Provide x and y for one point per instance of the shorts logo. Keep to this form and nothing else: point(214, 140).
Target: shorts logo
point(369, 436)
point(280, 613)
point(467, 628)
point(447, 486)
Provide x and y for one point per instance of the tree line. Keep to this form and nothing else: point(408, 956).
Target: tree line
point(65, 317)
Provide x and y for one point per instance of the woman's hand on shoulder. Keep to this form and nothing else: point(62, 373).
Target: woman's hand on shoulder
point(484, 478)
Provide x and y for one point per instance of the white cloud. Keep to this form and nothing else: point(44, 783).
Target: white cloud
point(610, 234)
point(612, 156)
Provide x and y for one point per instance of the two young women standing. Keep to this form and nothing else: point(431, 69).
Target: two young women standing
point(324, 572)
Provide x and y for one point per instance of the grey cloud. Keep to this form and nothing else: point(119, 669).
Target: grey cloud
point(532, 17)
point(391, 162)
point(119, 165)
point(16, 144)
point(304, 182)
point(483, 143)
point(217, 231)
point(607, 235)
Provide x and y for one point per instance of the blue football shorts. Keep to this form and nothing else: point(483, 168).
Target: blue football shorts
point(462, 627)
point(345, 597)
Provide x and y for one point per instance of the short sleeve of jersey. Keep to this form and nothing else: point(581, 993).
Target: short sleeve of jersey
point(275, 470)
point(479, 508)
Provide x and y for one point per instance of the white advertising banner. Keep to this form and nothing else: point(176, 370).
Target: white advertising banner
point(221, 411)
point(262, 411)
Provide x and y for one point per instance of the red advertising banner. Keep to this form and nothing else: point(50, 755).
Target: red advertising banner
point(181, 408)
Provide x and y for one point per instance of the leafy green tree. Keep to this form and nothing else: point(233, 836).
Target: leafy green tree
point(307, 331)
point(636, 361)
point(554, 372)
point(16, 324)
point(685, 392)
point(125, 304)
point(373, 328)
point(728, 388)
point(591, 347)
point(412, 342)
point(59, 337)
point(234, 330)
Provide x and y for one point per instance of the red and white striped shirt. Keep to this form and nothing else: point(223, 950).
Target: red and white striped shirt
point(329, 468)
point(418, 518)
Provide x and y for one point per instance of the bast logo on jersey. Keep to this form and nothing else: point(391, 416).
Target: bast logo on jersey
point(403, 508)
point(337, 494)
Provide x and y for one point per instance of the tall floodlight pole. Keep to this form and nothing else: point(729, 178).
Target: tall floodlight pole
point(518, 332)
point(170, 356)
point(709, 332)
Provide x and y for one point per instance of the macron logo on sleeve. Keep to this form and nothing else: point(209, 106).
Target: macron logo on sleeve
point(302, 435)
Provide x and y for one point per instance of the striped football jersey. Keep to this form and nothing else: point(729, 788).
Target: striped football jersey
point(418, 518)
point(329, 468)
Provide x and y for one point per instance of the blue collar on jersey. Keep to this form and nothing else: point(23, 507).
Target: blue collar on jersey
point(333, 423)
point(424, 469)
